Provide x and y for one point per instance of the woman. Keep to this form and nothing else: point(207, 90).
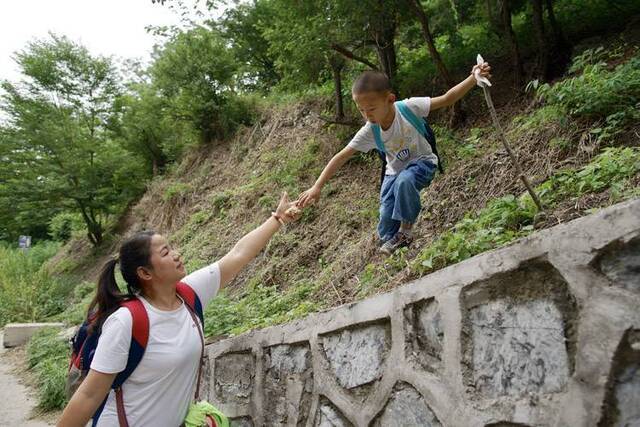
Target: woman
point(160, 389)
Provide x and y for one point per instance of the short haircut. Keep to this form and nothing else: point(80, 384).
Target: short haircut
point(371, 81)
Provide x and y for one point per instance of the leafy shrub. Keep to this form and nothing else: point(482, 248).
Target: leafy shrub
point(509, 218)
point(259, 307)
point(48, 356)
point(65, 225)
point(599, 93)
point(27, 292)
point(175, 190)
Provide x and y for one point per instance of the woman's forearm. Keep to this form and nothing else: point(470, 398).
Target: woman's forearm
point(246, 250)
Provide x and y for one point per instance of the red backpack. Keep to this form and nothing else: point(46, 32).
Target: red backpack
point(84, 345)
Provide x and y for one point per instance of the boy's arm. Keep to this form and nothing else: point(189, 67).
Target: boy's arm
point(313, 194)
point(454, 94)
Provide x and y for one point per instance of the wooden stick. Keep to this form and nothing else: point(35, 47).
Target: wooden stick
point(514, 159)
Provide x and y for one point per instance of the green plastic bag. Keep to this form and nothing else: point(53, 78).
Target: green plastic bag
point(196, 417)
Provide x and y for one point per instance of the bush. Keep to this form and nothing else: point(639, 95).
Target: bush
point(48, 357)
point(611, 97)
point(65, 225)
point(259, 307)
point(28, 293)
point(509, 218)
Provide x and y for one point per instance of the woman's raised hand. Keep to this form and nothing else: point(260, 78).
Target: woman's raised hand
point(287, 210)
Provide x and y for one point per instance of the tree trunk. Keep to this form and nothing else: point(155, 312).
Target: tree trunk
point(428, 37)
point(562, 47)
point(505, 17)
point(541, 39)
point(384, 37)
point(558, 35)
point(94, 229)
point(457, 114)
point(494, 20)
point(337, 64)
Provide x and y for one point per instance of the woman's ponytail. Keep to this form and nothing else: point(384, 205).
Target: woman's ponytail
point(108, 296)
point(134, 253)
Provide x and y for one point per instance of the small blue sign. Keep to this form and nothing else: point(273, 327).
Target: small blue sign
point(24, 242)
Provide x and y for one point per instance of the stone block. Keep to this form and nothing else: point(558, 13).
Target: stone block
point(288, 384)
point(620, 262)
point(329, 416)
point(16, 334)
point(357, 354)
point(233, 376)
point(241, 422)
point(424, 333)
point(517, 325)
point(406, 408)
point(622, 405)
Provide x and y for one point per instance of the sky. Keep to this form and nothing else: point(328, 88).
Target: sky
point(105, 27)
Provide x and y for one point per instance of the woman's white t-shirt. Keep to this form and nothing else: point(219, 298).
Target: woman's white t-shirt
point(160, 389)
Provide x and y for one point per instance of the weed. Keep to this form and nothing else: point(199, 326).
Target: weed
point(260, 306)
point(48, 356)
point(175, 190)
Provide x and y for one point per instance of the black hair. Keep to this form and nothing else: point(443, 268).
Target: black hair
point(134, 252)
point(371, 81)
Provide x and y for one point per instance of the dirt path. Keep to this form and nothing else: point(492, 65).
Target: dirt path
point(16, 400)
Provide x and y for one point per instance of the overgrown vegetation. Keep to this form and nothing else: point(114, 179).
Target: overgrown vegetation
point(28, 293)
point(48, 359)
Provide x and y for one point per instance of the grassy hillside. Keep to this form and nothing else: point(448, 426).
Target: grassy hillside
point(577, 140)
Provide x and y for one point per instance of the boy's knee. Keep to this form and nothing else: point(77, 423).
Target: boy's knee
point(404, 178)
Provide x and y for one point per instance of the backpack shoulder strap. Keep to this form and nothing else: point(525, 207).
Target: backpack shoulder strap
point(191, 298)
point(139, 338)
point(377, 136)
point(411, 117)
point(423, 128)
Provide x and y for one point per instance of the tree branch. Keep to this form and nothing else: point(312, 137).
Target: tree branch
point(348, 54)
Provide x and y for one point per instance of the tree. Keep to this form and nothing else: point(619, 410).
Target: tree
point(59, 151)
point(554, 46)
point(196, 72)
point(242, 27)
point(512, 42)
point(416, 6)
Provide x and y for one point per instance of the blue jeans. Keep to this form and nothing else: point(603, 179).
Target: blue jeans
point(400, 197)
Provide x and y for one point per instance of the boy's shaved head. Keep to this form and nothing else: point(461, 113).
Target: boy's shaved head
point(371, 81)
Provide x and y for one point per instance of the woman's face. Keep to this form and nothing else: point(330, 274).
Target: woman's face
point(166, 262)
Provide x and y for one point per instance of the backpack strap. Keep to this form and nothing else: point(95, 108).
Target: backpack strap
point(410, 116)
point(139, 340)
point(377, 136)
point(191, 298)
point(194, 307)
point(423, 128)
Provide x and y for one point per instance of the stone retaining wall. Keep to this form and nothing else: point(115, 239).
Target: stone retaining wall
point(545, 332)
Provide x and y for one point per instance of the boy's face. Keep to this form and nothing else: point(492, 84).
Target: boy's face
point(375, 106)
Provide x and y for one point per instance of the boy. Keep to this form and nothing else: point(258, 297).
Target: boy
point(411, 163)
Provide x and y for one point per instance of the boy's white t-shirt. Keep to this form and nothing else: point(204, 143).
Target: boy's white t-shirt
point(160, 389)
point(402, 142)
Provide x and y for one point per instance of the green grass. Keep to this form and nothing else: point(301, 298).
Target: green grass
point(258, 307)
point(509, 218)
point(29, 293)
point(48, 358)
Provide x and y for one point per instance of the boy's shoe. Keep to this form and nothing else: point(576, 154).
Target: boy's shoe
point(400, 240)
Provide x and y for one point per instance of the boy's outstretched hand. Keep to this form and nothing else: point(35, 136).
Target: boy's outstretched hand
point(308, 197)
point(287, 210)
point(485, 70)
